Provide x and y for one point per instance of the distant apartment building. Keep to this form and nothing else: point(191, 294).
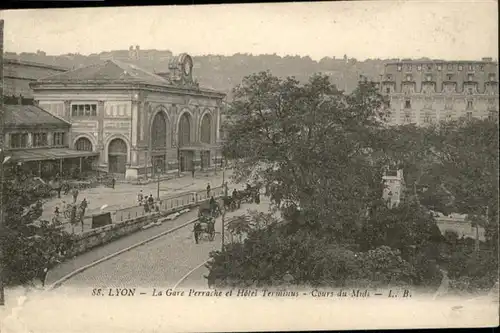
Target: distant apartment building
point(424, 92)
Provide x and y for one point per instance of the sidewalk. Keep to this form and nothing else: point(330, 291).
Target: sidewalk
point(124, 195)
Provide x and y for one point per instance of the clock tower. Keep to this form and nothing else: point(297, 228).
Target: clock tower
point(182, 69)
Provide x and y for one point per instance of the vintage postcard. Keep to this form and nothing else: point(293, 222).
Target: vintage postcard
point(249, 167)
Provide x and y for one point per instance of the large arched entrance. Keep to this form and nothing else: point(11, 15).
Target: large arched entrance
point(206, 137)
point(184, 139)
point(117, 156)
point(84, 144)
point(159, 137)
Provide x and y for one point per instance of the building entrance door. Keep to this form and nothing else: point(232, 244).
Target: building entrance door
point(186, 160)
point(205, 159)
point(117, 156)
point(117, 163)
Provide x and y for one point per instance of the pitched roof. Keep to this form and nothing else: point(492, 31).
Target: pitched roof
point(31, 116)
point(108, 71)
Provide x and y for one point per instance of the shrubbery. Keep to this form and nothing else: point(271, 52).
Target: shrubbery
point(273, 251)
point(470, 271)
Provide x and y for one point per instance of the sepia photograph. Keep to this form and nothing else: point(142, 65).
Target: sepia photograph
point(249, 167)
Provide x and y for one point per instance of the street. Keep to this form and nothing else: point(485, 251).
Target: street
point(124, 195)
point(162, 262)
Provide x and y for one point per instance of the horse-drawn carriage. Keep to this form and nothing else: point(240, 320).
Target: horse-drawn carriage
point(211, 208)
point(250, 194)
point(204, 227)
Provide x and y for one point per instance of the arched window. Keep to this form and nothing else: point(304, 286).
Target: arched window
point(83, 144)
point(206, 129)
point(185, 130)
point(117, 147)
point(159, 131)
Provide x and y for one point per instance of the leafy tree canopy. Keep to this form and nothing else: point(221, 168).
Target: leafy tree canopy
point(30, 246)
point(311, 145)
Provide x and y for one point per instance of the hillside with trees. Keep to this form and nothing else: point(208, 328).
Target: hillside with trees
point(225, 72)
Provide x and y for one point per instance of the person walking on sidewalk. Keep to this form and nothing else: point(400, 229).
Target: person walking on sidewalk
point(208, 190)
point(83, 206)
point(140, 196)
point(151, 202)
point(75, 194)
point(113, 182)
point(192, 172)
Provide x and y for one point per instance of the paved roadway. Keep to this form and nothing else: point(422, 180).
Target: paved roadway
point(162, 262)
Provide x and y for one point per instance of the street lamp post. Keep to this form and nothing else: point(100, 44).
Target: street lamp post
point(223, 206)
point(158, 170)
point(178, 161)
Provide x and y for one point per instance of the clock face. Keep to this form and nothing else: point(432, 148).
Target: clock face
point(187, 67)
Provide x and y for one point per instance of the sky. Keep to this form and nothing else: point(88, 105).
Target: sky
point(461, 30)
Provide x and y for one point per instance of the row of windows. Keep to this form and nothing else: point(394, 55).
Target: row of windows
point(20, 140)
point(427, 118)
point(470, 105)
point(449, 77)
point(450, 67)
point(84, 110)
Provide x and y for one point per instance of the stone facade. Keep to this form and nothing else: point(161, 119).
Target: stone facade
point(135, 123)
point(424, 92)
point(394, 187)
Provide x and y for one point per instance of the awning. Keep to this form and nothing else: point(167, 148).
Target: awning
point(45, 154)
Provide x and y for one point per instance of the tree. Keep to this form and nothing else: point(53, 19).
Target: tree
point(467, 156)
point(321, 155)
point(310, 143)
point(267, 255)
point(30, 246)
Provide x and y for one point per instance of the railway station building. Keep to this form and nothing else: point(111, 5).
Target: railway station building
point(138, 123)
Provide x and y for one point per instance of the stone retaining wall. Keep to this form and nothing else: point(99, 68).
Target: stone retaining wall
point(461, 227)
point(132, 221)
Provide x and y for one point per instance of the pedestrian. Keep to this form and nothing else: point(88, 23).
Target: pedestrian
point(197, 230)
point(75, 194)
point(113, 181)
point(192, 172)
point(151, 202)
point(208, 190)
point(140, 196)
point(73, 214)
point(84, 205)
point(58, 186)
point(56, 216)
point(212, 204)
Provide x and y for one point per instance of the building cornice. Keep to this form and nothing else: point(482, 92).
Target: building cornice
point(39, 86)
point(441, 62)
